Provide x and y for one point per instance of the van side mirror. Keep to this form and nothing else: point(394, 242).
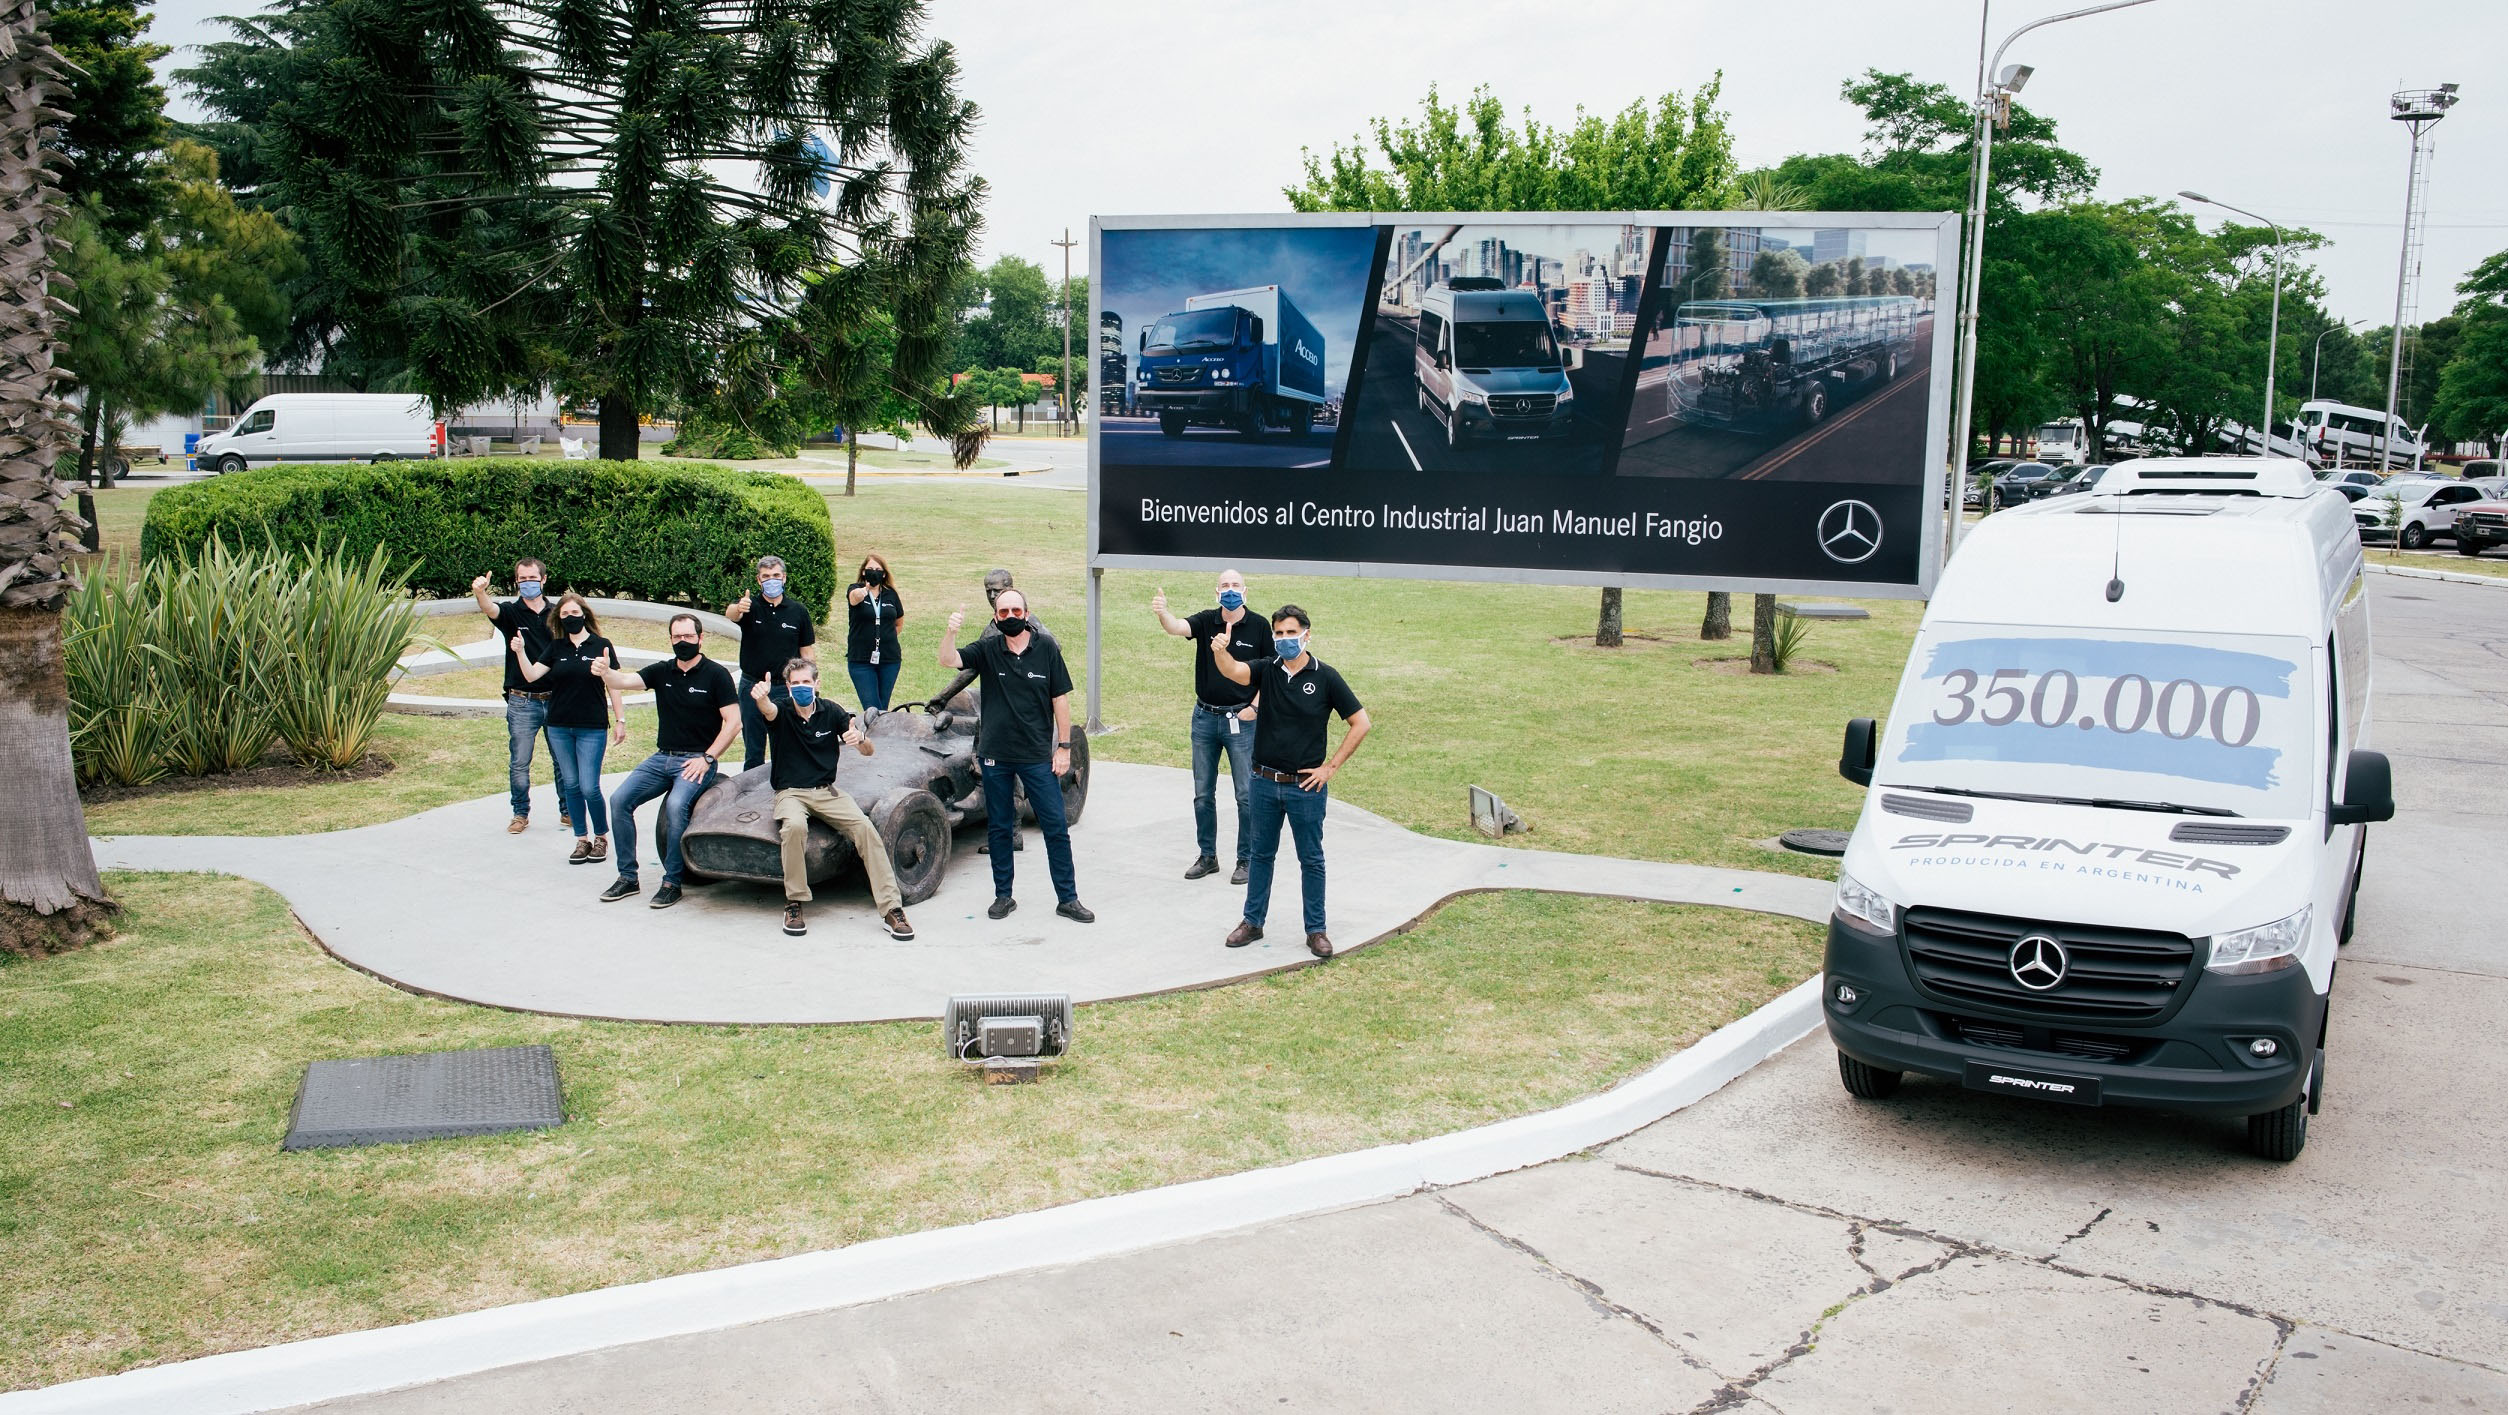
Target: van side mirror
point(2368, 792)
point(1854, 760)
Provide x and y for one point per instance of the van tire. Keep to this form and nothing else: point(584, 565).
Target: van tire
point(1869, 1082)
point(1172, 424)
point(382, 457)
point(230, 463)
point(2279, 1134)
point(2412, 537)
point(1454, 426)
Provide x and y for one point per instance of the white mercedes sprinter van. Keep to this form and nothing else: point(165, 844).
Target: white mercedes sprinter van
point(1486, 366)
point(324, 427)
point(2116, 820)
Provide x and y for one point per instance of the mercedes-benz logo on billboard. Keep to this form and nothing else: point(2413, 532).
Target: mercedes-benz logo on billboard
point(1850, 531)
point(2039, 963)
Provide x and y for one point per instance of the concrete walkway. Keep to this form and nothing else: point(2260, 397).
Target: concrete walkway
point(447, 903)
point(1781, 1249)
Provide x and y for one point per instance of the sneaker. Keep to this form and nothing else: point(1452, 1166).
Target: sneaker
point(665, 897)
point(564, 820)
point(1075, 911)
point(1319, 945)
point(792, 921)
point(1002, 905)
point(1239, 876)
point(518, 825)
point(621, 888)
point(1016, 845)
point(600, 848)
point(1243, 934)
point(1205, 865)
point(583, 851)
point(897, 926)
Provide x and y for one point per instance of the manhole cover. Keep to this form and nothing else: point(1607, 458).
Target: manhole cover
point(1814, 842)
point(384, 1100)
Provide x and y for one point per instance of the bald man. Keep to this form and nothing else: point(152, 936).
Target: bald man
point(1223, 715)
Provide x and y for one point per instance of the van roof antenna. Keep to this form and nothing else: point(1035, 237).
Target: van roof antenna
point(2116, 561)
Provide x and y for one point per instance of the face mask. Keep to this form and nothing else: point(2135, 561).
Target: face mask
point(685, 653)
point(1232, 599)
point(1011, 627)
point(774, 588)
point(1288, 648)
point(571, 623)
point(528, 589)
point(804, 694)
point(875, 576)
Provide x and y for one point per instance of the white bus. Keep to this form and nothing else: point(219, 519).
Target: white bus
point(2341, 434)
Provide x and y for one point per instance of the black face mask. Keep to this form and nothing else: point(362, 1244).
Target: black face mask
point(685, 653)
point(1011, 627)
point(571, 623)
point(875, 576)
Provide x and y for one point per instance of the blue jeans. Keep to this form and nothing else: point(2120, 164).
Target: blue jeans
point(524, 720)
point(657, 775)
point(1304, 810)
point(577, 753)
point(1001, 819)
point(873, 682)
point(1211, 737)
point(752, 728)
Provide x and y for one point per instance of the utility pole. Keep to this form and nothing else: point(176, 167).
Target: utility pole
point(1065, 390)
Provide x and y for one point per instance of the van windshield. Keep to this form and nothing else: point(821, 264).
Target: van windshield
point(2213, 722)
point(1194, 329)
point(1515, 343)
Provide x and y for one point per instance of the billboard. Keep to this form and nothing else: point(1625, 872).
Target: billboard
point(1684, 400)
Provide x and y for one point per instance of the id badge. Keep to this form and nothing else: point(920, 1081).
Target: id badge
point(875, 655)
point(1233, 723)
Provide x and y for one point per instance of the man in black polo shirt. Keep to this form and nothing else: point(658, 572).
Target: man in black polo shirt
point(526, 705)
point(995, 581)
point(811, 734)
point(699, 711)
point(1223, 716)
point(773, 632)
point(1295, 692)
point(1023, 738)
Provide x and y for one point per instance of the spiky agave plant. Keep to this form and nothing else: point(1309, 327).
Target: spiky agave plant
point(50, 895)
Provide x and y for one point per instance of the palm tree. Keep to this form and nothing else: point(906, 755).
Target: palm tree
point(50, 897)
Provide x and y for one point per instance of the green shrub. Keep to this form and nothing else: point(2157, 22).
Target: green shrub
point(1791, 630)
point(678, 534)
point(108, 655)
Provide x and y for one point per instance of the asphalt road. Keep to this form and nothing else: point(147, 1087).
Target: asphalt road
point(1137, 442)
point(1876, 436)
point(1783, 1249)
point(1393, 433)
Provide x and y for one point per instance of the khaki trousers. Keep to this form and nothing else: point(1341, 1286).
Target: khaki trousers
point(793, 809)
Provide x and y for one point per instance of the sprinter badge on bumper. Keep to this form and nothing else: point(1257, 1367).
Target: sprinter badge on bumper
point(2043, 1085)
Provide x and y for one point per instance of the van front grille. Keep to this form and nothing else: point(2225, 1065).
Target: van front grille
point(2123, 975)
point(1522, 405)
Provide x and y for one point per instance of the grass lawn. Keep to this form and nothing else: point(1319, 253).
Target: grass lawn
point(1637, 751)
point(2491, 565)
point(147, 1213)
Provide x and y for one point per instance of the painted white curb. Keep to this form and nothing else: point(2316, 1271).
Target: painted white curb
point(366, 1362)
point(2453, 577)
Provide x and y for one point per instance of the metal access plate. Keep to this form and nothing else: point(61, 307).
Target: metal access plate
point(384, 1100)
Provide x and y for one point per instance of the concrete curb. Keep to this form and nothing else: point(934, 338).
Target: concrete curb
point(2450, 576)
point(388, 1358)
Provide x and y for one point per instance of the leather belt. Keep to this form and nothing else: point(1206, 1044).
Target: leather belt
point(1217, 711)
point(1285, 778)
point(535, 697)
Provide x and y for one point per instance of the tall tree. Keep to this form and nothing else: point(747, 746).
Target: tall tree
point(544, 191)
point(2472, 398)
point(116, 114)
point(1778, 275)
point(50, 895)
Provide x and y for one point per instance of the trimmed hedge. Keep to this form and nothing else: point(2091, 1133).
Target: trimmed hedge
point(638, 530)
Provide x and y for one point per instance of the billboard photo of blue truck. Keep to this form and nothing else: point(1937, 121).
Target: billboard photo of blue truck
point(1240, 343)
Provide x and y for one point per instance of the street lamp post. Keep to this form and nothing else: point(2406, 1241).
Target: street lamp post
point(2273, 341)
point(1068, 407)
point(2317, 360)
point(1993, 110)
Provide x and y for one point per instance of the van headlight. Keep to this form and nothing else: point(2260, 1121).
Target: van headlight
point(1566, 396)
point(2265, 948)
point(1471, 398)
point(1860, 904)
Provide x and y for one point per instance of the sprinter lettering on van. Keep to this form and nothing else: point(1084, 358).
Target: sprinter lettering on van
point(2163, 859)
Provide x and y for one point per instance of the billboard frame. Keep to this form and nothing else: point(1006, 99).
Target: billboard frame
point(1945, 225)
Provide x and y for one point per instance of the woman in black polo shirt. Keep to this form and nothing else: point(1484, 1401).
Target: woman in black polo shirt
point(872, 609)
point(585, 715)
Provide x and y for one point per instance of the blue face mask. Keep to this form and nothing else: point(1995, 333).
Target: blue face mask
point(804, 694)
point(774, 588)
point(1288, 648)
point(1232, 599)
point(528, 589)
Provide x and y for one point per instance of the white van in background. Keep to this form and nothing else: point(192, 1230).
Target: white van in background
point(324, 427)
point(2117, 818)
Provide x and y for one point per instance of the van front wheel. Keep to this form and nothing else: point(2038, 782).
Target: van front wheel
point(230, 463)
point(1870, 1082)
point(2279, 1134)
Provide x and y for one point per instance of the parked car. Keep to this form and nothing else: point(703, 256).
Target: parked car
point(2429, 510)
point(2078, 481)
point(2017, 485)
point(2481, 524)
point(2356, 482)
point(2488, 469)
point(1980, 475)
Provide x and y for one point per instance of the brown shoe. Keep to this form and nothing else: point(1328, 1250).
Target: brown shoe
point(518, 825)
point(1319, 945)
point(583, 852)
point(898, 928)
point(1242, 935)
point(600, 848)
point(564, 821)
point(792, 921)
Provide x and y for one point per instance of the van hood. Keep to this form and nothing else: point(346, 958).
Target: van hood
point(2081, 864)
point(1516, 380)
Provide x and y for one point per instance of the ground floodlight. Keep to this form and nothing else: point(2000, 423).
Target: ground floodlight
point(982, 1027)
point(2014, 78)
point(1491, 817)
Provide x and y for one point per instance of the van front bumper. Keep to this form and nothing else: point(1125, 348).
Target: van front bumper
point(1477, 421)
point(2196, 1059)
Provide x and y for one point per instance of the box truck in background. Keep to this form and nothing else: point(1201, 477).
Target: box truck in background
point(1243, 359)
point(324, 427)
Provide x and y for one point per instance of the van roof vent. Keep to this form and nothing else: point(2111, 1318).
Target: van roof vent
point(2208, 476)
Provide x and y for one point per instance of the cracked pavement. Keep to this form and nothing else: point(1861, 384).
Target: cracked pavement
point(1782, 1249)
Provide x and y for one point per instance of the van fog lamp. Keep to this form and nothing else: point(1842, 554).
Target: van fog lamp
point(1859, 904)
point(2267, 948)
point(2264, 1046)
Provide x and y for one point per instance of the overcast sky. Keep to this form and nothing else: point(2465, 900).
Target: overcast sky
point(1125, 106)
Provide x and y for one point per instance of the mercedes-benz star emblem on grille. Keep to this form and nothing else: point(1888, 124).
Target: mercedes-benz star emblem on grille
point(2039, 963)
point(1850, 531)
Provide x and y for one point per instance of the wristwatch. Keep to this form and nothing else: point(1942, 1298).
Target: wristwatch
point(711, 759)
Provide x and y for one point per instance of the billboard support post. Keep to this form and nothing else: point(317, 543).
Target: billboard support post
point(1097, 653)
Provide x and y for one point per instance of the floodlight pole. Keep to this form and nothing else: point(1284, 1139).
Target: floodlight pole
point(2272, 343)
point(1066, 243)
point(2417, 111)
point(1991, 93)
